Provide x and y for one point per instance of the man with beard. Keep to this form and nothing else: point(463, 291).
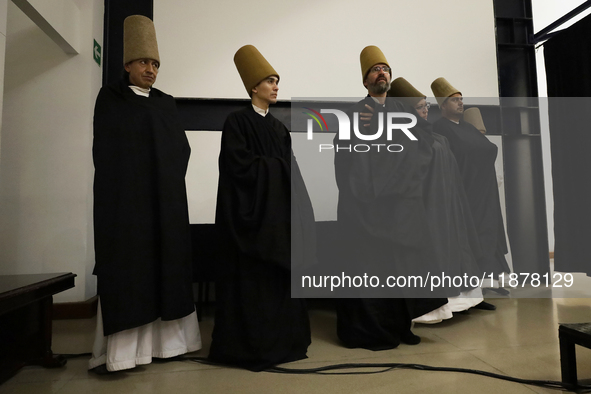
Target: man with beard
point(381, 218)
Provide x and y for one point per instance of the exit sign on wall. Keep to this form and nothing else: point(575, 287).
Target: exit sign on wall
point(96, 53)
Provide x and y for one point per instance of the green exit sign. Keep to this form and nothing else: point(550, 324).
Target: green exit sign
point(96, 53)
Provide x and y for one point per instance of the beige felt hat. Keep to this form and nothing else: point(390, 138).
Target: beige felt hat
point(442, 90)
point(369, 57)
point(252, 67)
point(403, 89)
point(139, 39)
point(474, 117)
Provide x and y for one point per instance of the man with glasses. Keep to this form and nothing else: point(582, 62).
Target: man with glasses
point(422, 108)
point(381, 217)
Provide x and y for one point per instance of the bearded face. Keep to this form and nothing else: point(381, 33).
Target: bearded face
point(378, 81)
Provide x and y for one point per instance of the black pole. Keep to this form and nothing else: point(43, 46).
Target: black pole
point(115, 13)
point(522, 148)
point(542, 34)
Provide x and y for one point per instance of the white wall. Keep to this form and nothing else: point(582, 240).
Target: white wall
point(315, 45)
point(545, 13)
point(58, 19)
point(315, 48)
point(45, 162)
point(202, 175)
point(46, 167)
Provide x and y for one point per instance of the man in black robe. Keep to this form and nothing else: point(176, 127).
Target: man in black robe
point(452, 230)
point(263, 211)
point(141, 223)
point(381, 218)
point(475, 156)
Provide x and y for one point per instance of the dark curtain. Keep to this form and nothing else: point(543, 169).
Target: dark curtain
point(568, 72)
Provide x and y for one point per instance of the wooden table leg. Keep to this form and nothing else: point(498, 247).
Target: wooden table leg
point(568, 360)
point(48, 359)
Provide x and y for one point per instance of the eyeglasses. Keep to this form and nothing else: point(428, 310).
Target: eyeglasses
point(424, 106)
point(377, 69)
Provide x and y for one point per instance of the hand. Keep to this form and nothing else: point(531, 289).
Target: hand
point(366, 116)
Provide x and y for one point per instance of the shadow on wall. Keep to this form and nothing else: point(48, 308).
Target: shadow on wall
point(46, 129)
point(29, 51)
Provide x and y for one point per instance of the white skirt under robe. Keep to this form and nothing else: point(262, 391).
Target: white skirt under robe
point(136, 346)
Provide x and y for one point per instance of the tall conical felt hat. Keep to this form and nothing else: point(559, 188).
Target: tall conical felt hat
point(474, 117)
point(442, 90)
point(252, 67)
point(403, 89)
point(139, 39)
point(369, 57)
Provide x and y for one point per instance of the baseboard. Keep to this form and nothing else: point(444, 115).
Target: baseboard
point(75, 310)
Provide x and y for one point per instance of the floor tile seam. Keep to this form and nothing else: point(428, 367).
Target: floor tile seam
point(535, 391)
point(420, 353)
point(349, 360)
point(62, 388)
point(497, 348)
point(537, 359)
point(542, 378)
point(40, 382)
point(329, 362)
point(498, 371)
point(65, 378)
point(445, 340)
point(470, 349)
point(212, 368)
point(147, 371)
point(203, 366)
point(426, 353)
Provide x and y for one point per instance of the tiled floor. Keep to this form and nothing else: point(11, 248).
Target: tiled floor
point(520, 339)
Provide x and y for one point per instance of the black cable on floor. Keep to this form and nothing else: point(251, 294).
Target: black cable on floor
point(69, 356)
point(325, 370)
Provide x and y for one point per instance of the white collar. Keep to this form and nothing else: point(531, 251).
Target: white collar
point(260, 111)
point(140, 91)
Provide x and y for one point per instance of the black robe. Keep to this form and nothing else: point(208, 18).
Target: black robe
point(450, 219)
point(141, 222)
point(476, 156)
point(383, 229)
point(261, 198)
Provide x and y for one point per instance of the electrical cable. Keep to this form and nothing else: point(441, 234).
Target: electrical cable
point(325, 370)
point(385, 367)
point(69, 356)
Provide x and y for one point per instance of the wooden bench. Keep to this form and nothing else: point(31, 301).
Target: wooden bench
point(569, 336)
point(25, 320)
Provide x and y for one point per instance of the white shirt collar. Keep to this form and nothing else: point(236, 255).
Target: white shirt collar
point(260, 111)
point(140, 91)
